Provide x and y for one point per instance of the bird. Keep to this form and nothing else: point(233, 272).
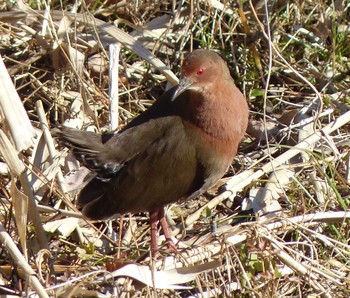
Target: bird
point(174, 151)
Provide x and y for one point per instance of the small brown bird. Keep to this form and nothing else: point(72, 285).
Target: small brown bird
point(177, 149)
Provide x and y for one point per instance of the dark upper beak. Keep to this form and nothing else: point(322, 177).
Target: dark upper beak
point(184, 85)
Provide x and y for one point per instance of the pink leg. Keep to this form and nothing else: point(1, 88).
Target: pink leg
point(166, 229)
point(154, 231)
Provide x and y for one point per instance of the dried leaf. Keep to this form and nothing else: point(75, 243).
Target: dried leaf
point(20, 205)
point(65, 226)
point(12, 110)
point(165, 279)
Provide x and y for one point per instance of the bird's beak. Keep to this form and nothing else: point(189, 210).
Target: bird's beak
point(184, 85)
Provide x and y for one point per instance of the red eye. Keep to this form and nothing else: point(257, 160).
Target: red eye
point(200, 71)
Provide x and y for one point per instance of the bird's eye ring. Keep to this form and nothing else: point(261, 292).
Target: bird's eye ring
point(200, 71)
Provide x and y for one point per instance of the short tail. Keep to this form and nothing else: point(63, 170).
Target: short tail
point(88, 148)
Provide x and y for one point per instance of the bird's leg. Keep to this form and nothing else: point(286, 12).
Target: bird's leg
point(153, 215)
point(156, 216)
point(166, 229)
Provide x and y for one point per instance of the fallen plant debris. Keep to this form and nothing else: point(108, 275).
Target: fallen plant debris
point(275, 225)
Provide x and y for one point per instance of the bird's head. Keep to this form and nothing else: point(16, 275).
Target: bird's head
point(200, 69)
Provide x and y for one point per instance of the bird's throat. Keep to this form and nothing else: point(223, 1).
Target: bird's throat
point(202, 108)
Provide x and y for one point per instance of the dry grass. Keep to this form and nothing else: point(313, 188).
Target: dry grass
point(278, 228)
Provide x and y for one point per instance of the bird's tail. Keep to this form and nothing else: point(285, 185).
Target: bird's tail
point(87, 147)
